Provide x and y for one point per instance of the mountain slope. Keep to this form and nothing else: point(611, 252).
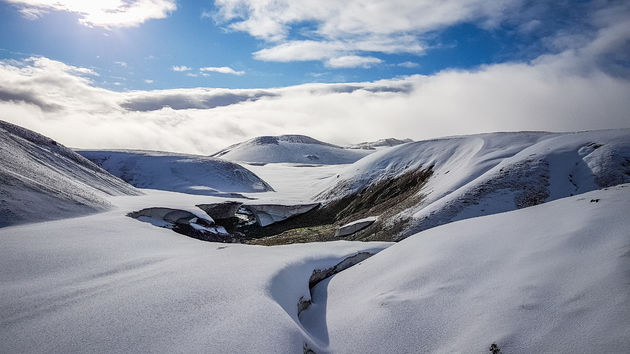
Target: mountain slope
point(43, 180)
point(177, 172)
point(548, 279)
point(379, 144)
point(490, 173)
point(290, 148)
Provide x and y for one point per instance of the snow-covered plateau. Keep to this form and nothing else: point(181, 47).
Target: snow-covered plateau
point(515, 242)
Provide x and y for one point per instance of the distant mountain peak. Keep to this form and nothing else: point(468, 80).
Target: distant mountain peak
point(291, 148)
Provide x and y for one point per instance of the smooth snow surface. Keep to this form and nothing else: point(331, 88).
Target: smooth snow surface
point(295, 182)
point(43, 180)
point(292, 149)
point(552, 278)
point(178, 172)
point(490, 173)
point(106, 283)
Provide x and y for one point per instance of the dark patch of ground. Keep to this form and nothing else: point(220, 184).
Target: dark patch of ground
point(386, 199)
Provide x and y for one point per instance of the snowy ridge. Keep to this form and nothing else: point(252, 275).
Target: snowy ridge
point(43, 180)
point(491, 173)
point(291, 149)
point(178, 172)
point(381, 143)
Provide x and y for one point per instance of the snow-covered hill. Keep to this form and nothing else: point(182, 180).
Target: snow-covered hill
point(548, 279)
point(43, 180)
point(487, 173)
point(178, 172)
point(290, 148)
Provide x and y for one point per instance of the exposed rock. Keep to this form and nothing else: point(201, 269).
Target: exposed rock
point(186, 223)
point(355, 226)
point(169, 215)
point(219, 211)
point(267, 214)
point(321, 274)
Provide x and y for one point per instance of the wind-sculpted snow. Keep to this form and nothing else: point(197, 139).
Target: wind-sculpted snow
point(491, 173)
point(290, 148)
point(107, 283)
point(178, 172)
point(43, 180)
point(548, 279)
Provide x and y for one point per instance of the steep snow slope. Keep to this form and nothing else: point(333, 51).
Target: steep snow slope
point(107, 283)
point(43, 180)
point(547, 279)
point(177, 172)
point(490, 173)
point(290, 148)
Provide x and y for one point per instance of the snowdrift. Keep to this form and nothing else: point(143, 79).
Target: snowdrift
point(290, 148)
point(178, 172)
point(106, 283)
point(490, 173)
point(43, 180)
point(548, 279)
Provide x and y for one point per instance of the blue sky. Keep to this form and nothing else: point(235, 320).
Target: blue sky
point(142, 56)
point(197, 76)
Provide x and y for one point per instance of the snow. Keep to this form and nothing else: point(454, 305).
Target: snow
point(43, 180)
point(291, 149)
point(178, 172)
point(267, 214)
point(551, 278)
point(379, 144)
point(355, 226)
point(491, 173)
point(295, 182)
point(547, 278)
point(108, 283)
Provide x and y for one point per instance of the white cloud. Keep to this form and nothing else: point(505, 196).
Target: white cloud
point(408, 64)
point(180, 68)
point(352, 61)
point(345, 28)
point(106, 13)
point(192, 75)
point(121, 63)
point(148, 81)
point(222, 70)
point(552, 93)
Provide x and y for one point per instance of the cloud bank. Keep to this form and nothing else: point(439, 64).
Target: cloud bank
point(109, 13)
point(560, 92)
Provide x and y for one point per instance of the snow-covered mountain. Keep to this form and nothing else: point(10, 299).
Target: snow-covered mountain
point(44, 180)
point(380, 143)
point(177, 172)
point(290, 148)
point(484, 174)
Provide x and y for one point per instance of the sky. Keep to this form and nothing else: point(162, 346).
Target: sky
point(196, 76)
